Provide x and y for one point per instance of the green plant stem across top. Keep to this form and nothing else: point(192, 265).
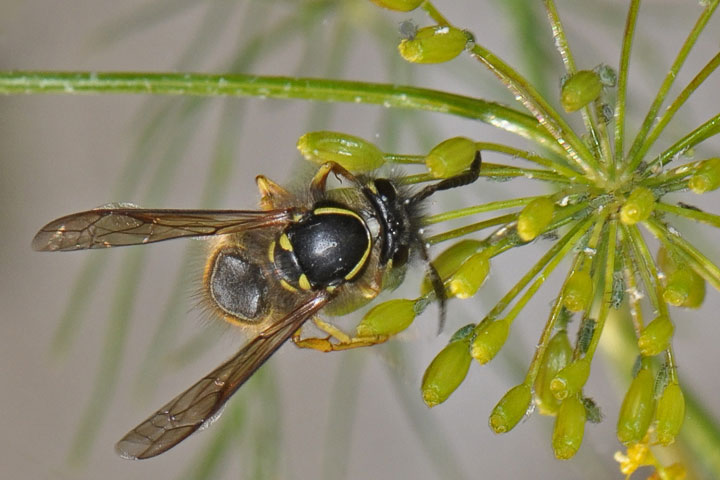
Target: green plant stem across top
point(238, 85)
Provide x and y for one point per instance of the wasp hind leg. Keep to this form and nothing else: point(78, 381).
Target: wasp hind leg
point(336, 339)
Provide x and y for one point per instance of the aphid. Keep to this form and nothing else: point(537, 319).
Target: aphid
point(275, 269)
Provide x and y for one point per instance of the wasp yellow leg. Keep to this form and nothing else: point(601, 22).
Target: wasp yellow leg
point(272, 195)
point(317, 185)
point(336, 339)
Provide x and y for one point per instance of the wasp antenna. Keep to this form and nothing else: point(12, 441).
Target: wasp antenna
point(459, 180)
point(437, 284)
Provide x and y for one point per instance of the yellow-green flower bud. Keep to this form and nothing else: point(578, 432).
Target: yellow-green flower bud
point(638, 206)
point(435, 44)
point(656, 336)
point(534, 218)
point(351, 152)
point(665, 261)
point(580, 89)
point(557, 354)
point(684, 288)
point(578, 291)
point(571, 379)
point(387, 318)
point(466, 281)
point(637, 408)
point(489, 340)
point(669, 413)
point(707, 176)
point(398, 5)
point(446, 372)
point(450, 260)
point(451, 157)
point(569, 428)
point(511, 408)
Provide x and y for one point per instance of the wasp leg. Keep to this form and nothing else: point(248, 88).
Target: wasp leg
point(336, 340)
point(272, 195)
point(317, 185)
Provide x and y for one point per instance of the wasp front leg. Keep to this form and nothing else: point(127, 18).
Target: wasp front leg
point(317, 185)
point(336, 339)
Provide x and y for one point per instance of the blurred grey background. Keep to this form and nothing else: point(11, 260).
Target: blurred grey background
point(359, 413)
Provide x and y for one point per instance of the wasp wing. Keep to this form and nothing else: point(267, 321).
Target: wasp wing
point(200, 403)
point(114, 227)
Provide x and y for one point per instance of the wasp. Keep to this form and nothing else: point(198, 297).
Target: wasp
point(274, 268)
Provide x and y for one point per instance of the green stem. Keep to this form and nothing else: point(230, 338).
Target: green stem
point(633, 156)
point(535, 158)
point(239, 85)
point(621, 101)
point(475, 209)
point(607, 289)
point(705, 217)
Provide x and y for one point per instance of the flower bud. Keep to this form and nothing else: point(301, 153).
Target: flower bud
point(449, 261)
point(451, 157)
point(534, 218)
point(351, 152)
point(488, 341)
point(571, 379)
point(511, 408)
point(707, 176)
point(637, 408)
point(684, 288)
point(578, 291)
point(669, 413)
point(580, 89)
point(387, 318)
point(557, 354)
point(656, 336)
point(466, 281)
point(446, 372)
point(638, 206)
point(398, 5)
point(435, 44)
point(569, 428)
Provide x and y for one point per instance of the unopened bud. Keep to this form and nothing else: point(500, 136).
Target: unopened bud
point(534, 218)
point(451, 157)
point(511, 408)
point(557, 355)
point(569, 428)
point(707, 176)
point(387, 318)
point(470, 276)
point(578, 291)
point(637, 408)
point(446, 372)
point(571, 379)
point(580, 89)
point(669, 413)
point(351, 152)
point(489, 339)
point(656, 336)
point(638, 206)
point(435, 44)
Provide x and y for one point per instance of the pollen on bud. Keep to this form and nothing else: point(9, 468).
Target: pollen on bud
point(638, 206)
point(449, 261)
point(511, 408)
point(580, 89)
point(534, 218)
point(637, 408)
point(446, 372)
point(707, 176)
point(451, 157)
point(669, 414)
point(569, 428)
point(684, 288)
point(434, 44)
point(656, 335)
point(571, 379)
point(466, 281)
point(387, 318)
point(351, 152)
point(578, 291)
point(557, 355)
point(489, 339)
point(398, 5)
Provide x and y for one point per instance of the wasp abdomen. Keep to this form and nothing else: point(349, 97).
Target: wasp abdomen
point(238, 285)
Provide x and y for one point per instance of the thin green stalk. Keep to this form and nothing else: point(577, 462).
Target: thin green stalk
point(701, 133)
point(571, 237)
point(475, 209)
point(535, 158)
point(471, 228)
point(703, 265)
point(705, 217)
point(633, 158)
point(561, 44)
point(606, 298)
point(239, 85)
point(500, 171)
point(621, 101)
point(699, 79)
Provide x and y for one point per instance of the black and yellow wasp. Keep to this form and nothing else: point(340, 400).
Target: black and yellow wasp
point(274, 268)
